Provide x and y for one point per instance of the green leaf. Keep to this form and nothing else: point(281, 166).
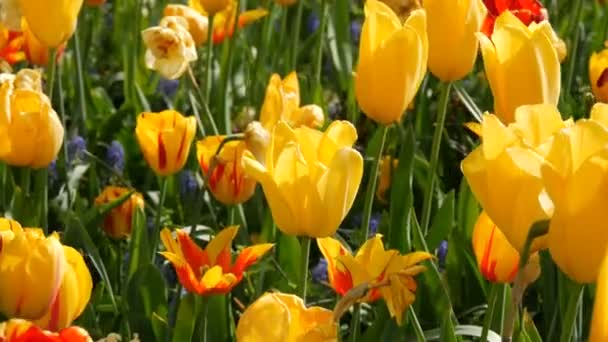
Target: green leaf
point(139, 249)
point(442, 223)
point(186, 319)
point(147, 298)
point(402, 199)
point(288, 254)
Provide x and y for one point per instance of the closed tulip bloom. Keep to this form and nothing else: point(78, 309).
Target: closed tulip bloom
point(498, 261)
point(31, 130)
point(452, 42)
point(209, 271)
point(372, 265)
point(392, 62)
point(599, 321)
point(118, 222)
point(528, 74)
point(224, 172)
point(402, 8)
point(36, 52)
point(197, 23)
point(170, 47)
point(165, 139)
point(19, 330)
point(576, 176)
point(598, 75)
point(282, 103)
point(291, 321)
point(53, 22)
point(73, 295)
point(29, 259)
point(212, 7)
point(504, 171)
point(310, 178)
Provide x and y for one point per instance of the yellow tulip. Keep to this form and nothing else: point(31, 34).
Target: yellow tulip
point(73, 295)
point(53, 21)
point(29, 259)
point(117, 223)
point(402, 8)
point(212, 7)
point(31, 130)
point(224, 173)
point(452, 25)
point(198, 24)
point(310, 178)
point(282, 102)
point(521, 64)
point(291, 321)
point(165, 139)
point(392, 61)
point(598, 75)
point(388, 164)
point(391, 273)
point(19, 330)
point(575, 175)
point(504, 171)
point(599, 321)
point(170, 47)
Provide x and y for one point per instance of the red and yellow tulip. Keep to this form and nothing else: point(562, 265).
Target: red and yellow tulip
point(209, 271)
point(117, 223)
point(388, 274)
point(165, 139)
point(18, 330)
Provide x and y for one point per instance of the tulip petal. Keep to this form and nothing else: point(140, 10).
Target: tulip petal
point(190, 251)
point(537, 123)
point(374, 257)
point(220, 245)
point(599, 113)
point(248, 257)
point(599, 321)
point(339, 277)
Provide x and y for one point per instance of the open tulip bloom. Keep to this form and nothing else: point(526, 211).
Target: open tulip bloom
point(210, 270)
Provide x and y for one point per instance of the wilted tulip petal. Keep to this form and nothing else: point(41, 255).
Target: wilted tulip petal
point(198, 25)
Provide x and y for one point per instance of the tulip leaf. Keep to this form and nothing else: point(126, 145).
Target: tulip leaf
point(186, 319)
point(218, 324)
point(442, 223)
point(147, 303)
point(288, 254)
point(139, 249)
point(468, 102)
point(339, 41)
point(399, 234)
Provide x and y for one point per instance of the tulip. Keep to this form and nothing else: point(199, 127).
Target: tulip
point(392, 62)
point(575, 174)
point(198, 25)
point(223, 22)
point(209, 271)
point(451, 30)
point(35, 52)
point(212, 7)
point(282, 102)
point(165, 140)
point(527, 11)
point(504, 171)
point(598, 75)
point(52, 22)
point(402, 8)
point(73, 295)
point(19, 330)
point(388, 164)
point(31, 130)
point(498, 261)
point(391, 273)
point(30, 259)
point(118, 222)
point(291, 321)
point(170, 47)
point(8, 229)
point(310, 178)
point(529, 74)
point(599, 320)
point(224, 172)
point(257, 139)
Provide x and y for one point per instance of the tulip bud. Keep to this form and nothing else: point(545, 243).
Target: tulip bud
point(165, 139)
point(452, 43)
point(392, 62)
point(52, 22)
point(118, 222)
point(598, 75)
point(224, 172)
point(212, 7)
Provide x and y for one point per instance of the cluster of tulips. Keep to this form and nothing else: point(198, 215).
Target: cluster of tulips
point(539, 178)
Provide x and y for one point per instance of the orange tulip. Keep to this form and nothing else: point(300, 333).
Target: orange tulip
point(117, 223)
point(18, 330)
point(209, 271)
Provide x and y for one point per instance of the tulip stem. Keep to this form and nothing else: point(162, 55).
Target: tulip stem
point(295, 39)
point(304, 256)
point(81, 93)
point(356, 321)
point(209, 69)
point(574, 50)
point(227, 69)
point(437, 136)
point(492, 302)
point(204, 105)
point(571, 313)
point(159, 209)
point(318, 90)
point(51, 73)
point(371, 185)
point(538, 229)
